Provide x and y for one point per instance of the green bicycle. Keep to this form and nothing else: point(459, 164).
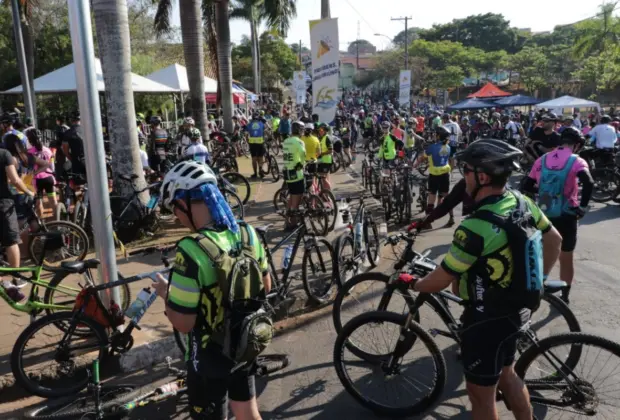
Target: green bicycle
point(57, 296)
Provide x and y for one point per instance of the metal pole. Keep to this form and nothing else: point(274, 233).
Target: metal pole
point(406, 46)
point(21, 59)
point(301, 67)
point(88, 98)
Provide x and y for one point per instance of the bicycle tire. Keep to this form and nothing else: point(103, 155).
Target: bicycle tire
point(363, 176)
point(345, 240)
point(280, 200)
point(17, 354)
point(274, 169)
point(604, 174)
point(79, 214)
point(59, 276)
point(327, 272)
point(50, 409)
point(235, 203)
point(370, 226)
point(316, 213)
point(236, 178)
point(49, 226)
point(328, 197)
point(436, 354)
point(546, 344)
point(61, 213)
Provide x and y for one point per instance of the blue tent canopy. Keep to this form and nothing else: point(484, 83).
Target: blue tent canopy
point(472, 103)
point(518, 100)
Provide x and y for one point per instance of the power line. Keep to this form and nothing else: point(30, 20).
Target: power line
point(360, 15)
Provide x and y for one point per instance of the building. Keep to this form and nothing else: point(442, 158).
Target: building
point(351, 66)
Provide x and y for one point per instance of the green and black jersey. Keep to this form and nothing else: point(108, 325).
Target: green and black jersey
point(480, 254)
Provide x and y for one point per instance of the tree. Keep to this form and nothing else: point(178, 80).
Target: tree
point(595, 35)
point(602, 70)
point(224, 62)
point(365, 47)
point(412, 35)
point(532, 65)
point(112, 27)
point(449, 77)
point(488, 32)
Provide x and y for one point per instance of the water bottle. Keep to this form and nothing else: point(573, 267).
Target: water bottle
point(358, 236)
point(139, 304)
point(169, 388)
point(286, 260)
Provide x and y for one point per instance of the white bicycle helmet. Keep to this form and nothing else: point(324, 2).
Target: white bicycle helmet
point(309, 126)
point(189, 121)
point(185, 176)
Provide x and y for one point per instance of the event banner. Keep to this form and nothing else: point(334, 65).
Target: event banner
point(299, 85)
point(325, 68)
point(405, 88)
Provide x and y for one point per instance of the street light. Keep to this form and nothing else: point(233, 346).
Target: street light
point(391, 40)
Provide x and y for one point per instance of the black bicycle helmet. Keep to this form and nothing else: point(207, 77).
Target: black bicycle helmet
point(551, 116)
point(8, 119)
point(442, 132)
point(155, 120)
point(491, 156)
point(605, 119)
point(570, 135)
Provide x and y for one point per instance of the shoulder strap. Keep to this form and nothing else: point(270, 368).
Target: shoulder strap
point(569, 165)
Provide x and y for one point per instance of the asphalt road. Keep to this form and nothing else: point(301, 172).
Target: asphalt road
point(310, 389)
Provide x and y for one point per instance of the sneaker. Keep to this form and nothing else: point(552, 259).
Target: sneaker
point(19, 283)
point(450, 222)
point(254, 176)
point(565, 299)
point(13, 292)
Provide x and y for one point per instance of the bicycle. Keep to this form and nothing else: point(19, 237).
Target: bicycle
point(576, 394)
point(311, 265)
point(88, 330)
point(383, 297)
point(358, 244)
point(270, 166)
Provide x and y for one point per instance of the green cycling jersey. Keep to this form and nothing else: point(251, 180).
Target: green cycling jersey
point(294, 155)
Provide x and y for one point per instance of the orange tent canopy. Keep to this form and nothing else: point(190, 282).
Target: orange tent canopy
point(489, 91)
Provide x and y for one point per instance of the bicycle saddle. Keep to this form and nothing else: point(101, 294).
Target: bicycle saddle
point(79, 266)
point(263, 229)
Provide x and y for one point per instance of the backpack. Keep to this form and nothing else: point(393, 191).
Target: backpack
point(525, 241)
point(247, 328)
point(551, 199)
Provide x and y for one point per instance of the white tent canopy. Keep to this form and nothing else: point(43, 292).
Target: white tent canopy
point(175, 76)
point(63, 81)
point(568, 102)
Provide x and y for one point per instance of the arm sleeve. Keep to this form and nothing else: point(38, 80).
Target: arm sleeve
point(529, 186)
point(184, 289)
point(467, 246)
point(449, 202)
point(587, 186)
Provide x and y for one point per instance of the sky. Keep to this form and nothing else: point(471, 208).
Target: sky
point(374, 16)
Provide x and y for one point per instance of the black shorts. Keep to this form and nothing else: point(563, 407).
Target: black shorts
point(312, 167)
point(324, 168)
point(489, 345)
point(439, 184)
point(211, 385)
point(297, 187)
point(8, 223)
point(257, 150)
point(453, 150)
point(567, 226)
point(45, 186)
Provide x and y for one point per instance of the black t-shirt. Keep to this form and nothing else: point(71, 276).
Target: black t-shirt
point(73, 137)
point(6, 159)
point(549, 141)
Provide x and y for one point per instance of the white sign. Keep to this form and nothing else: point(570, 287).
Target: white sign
point(325, 68)
point(405, 88)
point(299, 81)
point(301, 97)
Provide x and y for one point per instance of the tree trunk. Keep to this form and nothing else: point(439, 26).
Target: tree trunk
point(325, 13)
point(224, 61)
point(260, 69)
point(255, 70)
point(29, 51)
point(112, 28)
point(191, 32)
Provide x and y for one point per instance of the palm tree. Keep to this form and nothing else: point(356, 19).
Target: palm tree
point(278, 15)
point(193, 49)
point(222, 27)
point(112, 28)
point(594, 35)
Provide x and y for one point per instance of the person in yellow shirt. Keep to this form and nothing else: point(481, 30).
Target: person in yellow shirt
point(312, 143)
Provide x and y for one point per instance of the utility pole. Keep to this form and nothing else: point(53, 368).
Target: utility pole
point(406, 19)
point(23, 66)
point(301, 67)
point(357, 47)
point(325, 13)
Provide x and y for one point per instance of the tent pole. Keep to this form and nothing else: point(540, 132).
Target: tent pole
point(176, 114)
point(182, 105)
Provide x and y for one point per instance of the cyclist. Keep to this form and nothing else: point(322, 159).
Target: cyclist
point(438, 156)
point(489, 263)
point(158, 142)
point(557, 175)
point(256, 140)
point(196, 151)
point(44, 180)
point(183, 136)
point(7, 124)
point(284, 127)
point(311, 143)
point(294, 155)
point(194, 295)
point(390, 145)
point(543, 139)
point(326, 157)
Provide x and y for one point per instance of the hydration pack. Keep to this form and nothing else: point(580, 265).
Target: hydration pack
point(551, 199)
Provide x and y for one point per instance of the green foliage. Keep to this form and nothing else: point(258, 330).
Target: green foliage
point(447, 78)
point(412, 35)
point(532, 65)
point(365, 47)
point(603, 70)
point(597, 34)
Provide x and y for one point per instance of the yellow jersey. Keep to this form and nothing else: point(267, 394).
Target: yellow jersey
point(313, 147)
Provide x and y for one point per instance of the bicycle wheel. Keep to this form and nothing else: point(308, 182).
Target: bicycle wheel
point(241, 184)
point(318, 271)
point(64, 294)
point(61, 213)
point(280, 200)
point(362, 379)
point(79, 214)
point(371, 240)
point(606, 185)
point(331, 206)
point(73, 356)
point(274, 169)
point(235, 203)
point(344, 250)
point(75, 247)
point(364, 170)
point(83, 405)
point(586, 390)
point(315, 214)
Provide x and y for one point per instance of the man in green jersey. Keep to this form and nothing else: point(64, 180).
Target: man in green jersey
point(193, 295)
point(481, 260)
point(326, 157)
point(294, 155)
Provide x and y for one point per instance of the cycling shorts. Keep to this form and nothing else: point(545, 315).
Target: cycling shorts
point(297, 187)
point(439, 184)
point(257, 150)
point(567, 227)
point(324, 168)
point(210, 384)
point(45, 186)
point(489, 345)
